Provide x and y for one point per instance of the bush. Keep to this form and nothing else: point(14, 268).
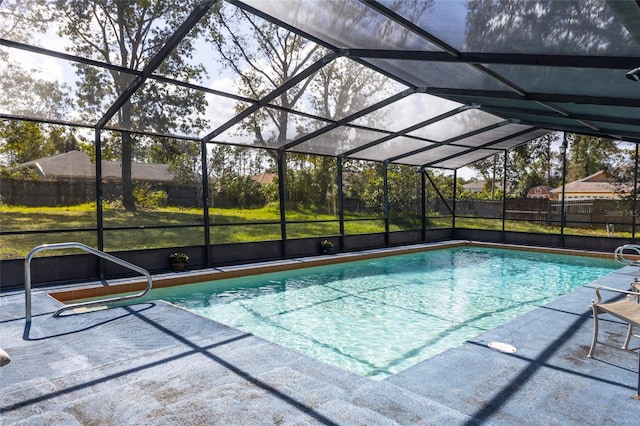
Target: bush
point(239, 192)
point(147, 197)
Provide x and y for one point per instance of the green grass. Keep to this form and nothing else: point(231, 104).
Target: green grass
point(227, 226)
point(18, 218)
point(534, 227)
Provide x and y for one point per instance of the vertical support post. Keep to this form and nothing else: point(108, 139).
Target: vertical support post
point(453, 201)
point(385, 180)
point(493, 178)
point(99, 212)
point(423, 204)
point(563, 149)
point(205, 203)
point(282, 195)
point(340, 201)
point(635, 205)
point(637, 395)
point(504, 195)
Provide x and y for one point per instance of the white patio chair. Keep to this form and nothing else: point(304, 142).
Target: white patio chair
point(627, 310)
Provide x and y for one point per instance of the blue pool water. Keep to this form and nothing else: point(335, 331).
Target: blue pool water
point(378, 317)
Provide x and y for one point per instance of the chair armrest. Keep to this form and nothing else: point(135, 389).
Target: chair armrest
point(615, 290)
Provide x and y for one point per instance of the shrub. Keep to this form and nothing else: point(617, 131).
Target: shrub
point(147, 197)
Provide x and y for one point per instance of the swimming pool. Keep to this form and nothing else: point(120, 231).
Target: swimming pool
point(380, 316)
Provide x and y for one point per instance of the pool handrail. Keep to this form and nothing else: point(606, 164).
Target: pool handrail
point(618, 254)
point(59, 246)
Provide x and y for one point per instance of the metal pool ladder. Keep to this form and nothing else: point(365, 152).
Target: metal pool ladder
point(618, 254)
point(59, 246)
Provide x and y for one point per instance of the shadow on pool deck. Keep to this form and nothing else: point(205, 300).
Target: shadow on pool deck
point(549, 380)
point(154, 363)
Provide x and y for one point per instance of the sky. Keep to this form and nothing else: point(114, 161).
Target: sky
point(219, 108)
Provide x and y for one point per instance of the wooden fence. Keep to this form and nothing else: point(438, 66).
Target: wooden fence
point(609, 214)
point(62, 192)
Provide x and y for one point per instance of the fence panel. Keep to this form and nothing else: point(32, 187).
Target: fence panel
point(68, 192)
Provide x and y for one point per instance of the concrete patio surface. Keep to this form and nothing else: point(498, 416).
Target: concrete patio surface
point(154, 363)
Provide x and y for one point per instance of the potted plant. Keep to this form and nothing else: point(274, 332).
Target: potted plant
point(178, 259)
point(326, 246)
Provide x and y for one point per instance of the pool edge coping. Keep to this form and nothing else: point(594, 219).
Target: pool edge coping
point(95, 289)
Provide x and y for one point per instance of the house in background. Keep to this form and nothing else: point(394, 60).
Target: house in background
point(475, 186)
point(69, 165)
point(70, 179)
point(478, 186)
point(598, 186)
point(78, 165)
point(544, 192)
point(265, 178)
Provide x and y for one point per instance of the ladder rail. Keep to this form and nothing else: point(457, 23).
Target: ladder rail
point(86, 248)
point(618, 254)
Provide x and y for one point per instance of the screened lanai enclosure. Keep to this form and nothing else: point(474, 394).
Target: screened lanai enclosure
point(245, 131)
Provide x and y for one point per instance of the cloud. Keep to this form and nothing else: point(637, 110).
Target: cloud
point(40, 66)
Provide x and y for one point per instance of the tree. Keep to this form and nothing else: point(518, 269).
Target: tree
point(338, 90)
point(528, 165)
point(128, 34)
point(183, 157)
point(588, 155)
point(404, 190)
point(364, 181)
point(21, 141)
point(491, 170)
point(520, 173)
point(546, 162)
point(556, 26)
point(264, 56)
point(440, 184)
point(21, 19)
point(578, 27)
point(231, 175)
point(26, 91)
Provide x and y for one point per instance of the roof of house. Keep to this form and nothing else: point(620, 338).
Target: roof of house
point(541, 191)
point(597, 182)
point(76, 164)
point(479, 185)
point(68, 164)
point(265, 178)
point(474, 186)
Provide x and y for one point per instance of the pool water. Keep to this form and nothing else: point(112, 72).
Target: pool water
point(378, 317)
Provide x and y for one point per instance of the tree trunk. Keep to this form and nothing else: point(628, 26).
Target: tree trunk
point(128, 201)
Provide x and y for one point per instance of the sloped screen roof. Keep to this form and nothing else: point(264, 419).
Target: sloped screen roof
point(447, 82)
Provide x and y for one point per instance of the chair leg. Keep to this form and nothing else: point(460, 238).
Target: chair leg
point(626, 340)
point(595, 331)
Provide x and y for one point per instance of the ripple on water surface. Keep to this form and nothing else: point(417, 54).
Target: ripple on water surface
point(378, 317)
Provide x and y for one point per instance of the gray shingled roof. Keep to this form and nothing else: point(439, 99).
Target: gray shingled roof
point(72, 164)
point(597, 182)
point(76, 164)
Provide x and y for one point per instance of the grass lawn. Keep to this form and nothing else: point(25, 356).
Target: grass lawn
point(183, 227)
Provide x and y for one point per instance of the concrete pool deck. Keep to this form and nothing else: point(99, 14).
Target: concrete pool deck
point(154, 363)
